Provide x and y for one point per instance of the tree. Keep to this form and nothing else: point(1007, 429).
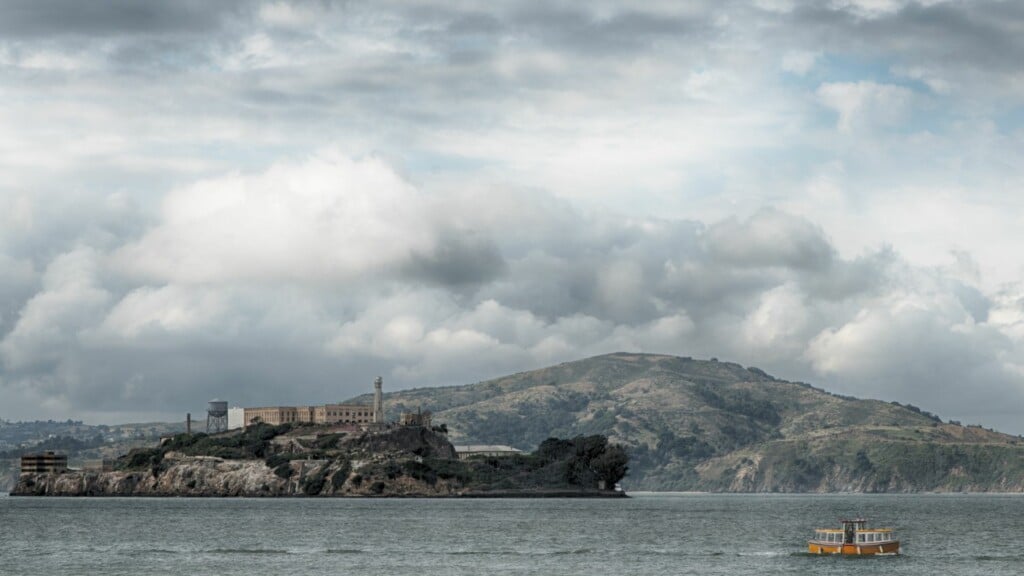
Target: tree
point(611, 465)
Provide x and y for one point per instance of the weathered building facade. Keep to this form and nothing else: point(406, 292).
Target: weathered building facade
point(44, 463)
point(344, 413)
point(326, 414)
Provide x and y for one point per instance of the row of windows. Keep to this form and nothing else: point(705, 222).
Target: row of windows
point(875, 537)
point(863, 537)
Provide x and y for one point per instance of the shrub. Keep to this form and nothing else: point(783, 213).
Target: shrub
point(140, 459)
point(284, 470)
point(314, 483)
point(420, 471)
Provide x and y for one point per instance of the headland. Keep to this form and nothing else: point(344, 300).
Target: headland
point(311, 460)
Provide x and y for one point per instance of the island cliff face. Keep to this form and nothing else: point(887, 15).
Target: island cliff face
point(275, 461)
point(215, 477)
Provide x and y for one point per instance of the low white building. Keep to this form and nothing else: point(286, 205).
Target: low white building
point(236, 418)
point(469, 450)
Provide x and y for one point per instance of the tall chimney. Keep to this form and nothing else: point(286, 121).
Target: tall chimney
point(378, 400)
point(188, 423)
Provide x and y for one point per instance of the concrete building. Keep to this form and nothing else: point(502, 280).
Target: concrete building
point(361, 414)
point(470, 450)
point(417, 418)
point(326, 414)
point(45, 463)
point(236, 418)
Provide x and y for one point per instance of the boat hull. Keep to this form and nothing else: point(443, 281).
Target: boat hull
point(892, 547)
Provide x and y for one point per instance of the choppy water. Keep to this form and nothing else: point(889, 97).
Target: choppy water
point(654, 534)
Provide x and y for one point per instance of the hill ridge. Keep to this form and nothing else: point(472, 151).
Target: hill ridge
point(715, 425)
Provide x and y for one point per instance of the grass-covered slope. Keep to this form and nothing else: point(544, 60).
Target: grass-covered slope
point(708, 425)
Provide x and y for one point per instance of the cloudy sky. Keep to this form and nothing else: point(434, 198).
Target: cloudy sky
point(274, 202)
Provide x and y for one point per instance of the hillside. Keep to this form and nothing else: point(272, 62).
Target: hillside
point(708, 425)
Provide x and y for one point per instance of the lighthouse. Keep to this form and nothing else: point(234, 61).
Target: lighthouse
point(378, 400)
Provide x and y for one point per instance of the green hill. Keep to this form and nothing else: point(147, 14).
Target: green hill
point(708, 425)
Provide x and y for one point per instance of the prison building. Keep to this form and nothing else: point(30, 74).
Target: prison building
point(347, 413)
point(326, 414)
point(45, 463)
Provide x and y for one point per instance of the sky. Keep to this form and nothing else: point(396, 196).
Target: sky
point(273, 203)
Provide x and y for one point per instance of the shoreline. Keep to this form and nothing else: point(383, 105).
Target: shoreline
point(545, 494)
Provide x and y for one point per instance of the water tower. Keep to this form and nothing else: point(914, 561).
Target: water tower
point(216, 416)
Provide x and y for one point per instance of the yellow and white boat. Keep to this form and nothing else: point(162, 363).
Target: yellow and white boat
point(854, 539)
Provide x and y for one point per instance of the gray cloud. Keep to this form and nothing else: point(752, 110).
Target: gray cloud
point(770, 238)
point(459, 259)
point(24, 18)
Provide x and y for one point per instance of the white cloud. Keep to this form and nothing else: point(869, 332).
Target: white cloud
point(800, 62)
point(776, 326)
point(168, 309)
point(287, 14)
point(919, 345)
point(48, 326)
point(863, 105)
point(329, 218)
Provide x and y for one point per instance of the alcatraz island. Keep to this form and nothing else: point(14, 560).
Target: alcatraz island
point(341, 450)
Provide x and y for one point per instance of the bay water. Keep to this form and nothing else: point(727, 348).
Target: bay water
point(645, 534)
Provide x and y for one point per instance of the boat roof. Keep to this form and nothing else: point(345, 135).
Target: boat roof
point(840, 530)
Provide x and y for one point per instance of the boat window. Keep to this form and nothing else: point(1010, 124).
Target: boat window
point(860, 537)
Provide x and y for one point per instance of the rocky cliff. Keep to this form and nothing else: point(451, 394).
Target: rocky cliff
point(216, 477)
point(269, 461)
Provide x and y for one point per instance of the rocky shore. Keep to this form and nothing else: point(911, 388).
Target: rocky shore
point(306, 462)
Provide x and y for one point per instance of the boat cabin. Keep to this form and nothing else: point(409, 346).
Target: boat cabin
point(854, 538)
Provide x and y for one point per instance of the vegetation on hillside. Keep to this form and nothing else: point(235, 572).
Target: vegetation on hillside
point(584, 462)
point(708, 425)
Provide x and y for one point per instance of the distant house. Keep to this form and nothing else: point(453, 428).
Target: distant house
point(470, 450)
